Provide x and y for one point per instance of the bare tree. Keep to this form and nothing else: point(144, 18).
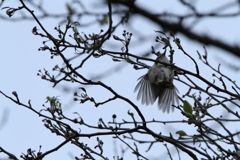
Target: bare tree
point(215, 138)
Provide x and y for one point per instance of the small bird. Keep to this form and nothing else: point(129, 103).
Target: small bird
point(158, 83)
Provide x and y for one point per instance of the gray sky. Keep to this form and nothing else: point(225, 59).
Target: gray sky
point(20, 61)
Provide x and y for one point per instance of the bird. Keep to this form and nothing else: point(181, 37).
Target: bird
point(157, 83)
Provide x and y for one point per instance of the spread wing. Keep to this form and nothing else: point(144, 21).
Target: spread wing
point(168, 97)
point(147, 91)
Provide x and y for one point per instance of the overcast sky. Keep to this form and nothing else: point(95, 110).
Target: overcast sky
point(20, 61)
